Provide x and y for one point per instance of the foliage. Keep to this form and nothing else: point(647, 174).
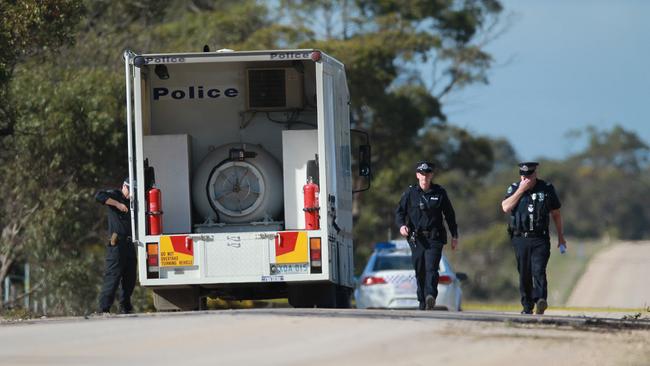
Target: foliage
point(28, 29)
point(70, 141)
point(490, 260)
point(606, 183)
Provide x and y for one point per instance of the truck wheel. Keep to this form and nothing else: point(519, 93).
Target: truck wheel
point(343, 297)
point(177, 299)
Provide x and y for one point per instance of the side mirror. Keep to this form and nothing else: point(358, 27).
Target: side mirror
point(364, 159)
point(461, 276)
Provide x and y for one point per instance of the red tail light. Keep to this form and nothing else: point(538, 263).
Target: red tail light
point(371, 280)
point(315, 255)
point(152, 260)
point(152, 254)
point(444, 280)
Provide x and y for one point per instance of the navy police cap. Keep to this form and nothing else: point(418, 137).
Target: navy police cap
point(424, 167)
point(528, 167)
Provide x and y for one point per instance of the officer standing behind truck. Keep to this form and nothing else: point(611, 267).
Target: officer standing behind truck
point(120, 252)
point(530, 202)
point(419, 218)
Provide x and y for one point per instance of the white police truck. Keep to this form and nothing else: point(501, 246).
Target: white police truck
point(221, 148)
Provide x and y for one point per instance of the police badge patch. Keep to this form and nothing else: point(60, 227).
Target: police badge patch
point(509, 189)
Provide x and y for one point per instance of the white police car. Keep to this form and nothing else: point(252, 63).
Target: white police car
point(388, 281)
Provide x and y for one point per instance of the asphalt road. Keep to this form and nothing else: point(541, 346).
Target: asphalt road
point(616, 277)
point(325, 337)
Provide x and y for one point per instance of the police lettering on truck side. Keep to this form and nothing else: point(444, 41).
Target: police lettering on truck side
point(290, 55)
point(192, 92)
point(164, 59)
point(274, 56)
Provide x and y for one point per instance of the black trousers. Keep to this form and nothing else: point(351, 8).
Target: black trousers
point(532, 257)
point(120, 269)
point(425, 255)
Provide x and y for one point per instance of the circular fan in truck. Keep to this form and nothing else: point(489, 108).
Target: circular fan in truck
point(238, 190)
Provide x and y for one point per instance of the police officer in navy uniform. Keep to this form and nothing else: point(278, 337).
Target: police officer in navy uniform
point(530, 202)
point(120, 268)
point(419, 216)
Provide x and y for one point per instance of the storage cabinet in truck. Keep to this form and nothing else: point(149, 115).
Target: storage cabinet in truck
point(241, 168)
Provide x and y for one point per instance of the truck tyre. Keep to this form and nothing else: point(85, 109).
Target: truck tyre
point(343, 297)
point(177, 299)
point(238, 191)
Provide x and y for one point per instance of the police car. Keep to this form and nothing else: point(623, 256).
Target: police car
point(388, 281)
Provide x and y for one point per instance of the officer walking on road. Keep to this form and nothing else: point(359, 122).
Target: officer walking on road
point(530, 202)
point(120, 252)
point(419, 218)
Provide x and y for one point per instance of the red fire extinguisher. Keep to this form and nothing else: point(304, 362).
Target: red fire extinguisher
point(310, 191)
point(155, 211)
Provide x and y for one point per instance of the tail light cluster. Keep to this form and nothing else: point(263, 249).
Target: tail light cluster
point(153, 270)
point(372, 280)
point(315, 255)
point(444, 280)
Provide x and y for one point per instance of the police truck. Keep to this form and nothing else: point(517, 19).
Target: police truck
point(241, 168)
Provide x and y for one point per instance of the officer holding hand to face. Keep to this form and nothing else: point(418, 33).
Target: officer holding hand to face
point(529, 203)
point(419, 218)
point(121, 263)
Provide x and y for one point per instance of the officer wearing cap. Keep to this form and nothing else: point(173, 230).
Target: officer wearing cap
point(120, 252)
point(419, 217)
point(530, 202)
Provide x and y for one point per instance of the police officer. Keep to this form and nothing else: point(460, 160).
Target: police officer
point(120, 251)
point(419, 218)
point(530, 202)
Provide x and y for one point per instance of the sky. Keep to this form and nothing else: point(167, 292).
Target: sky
point(562, 65)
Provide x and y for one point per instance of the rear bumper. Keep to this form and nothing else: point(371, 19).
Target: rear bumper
point(383, 297)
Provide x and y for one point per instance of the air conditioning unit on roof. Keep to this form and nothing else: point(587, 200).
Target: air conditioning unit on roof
point(274, 89)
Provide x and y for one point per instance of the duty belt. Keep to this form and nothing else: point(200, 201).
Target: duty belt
point(115, 238)
point(530, 234)
point(428, 234)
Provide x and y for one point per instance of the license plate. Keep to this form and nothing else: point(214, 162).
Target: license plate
point(405, 303)
point(406, 288)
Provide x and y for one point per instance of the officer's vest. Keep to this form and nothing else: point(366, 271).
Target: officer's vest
point(531, 213)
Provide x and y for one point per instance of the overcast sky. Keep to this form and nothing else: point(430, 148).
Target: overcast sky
point(562, 65)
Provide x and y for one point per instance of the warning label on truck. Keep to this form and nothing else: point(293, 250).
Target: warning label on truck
point(291, 247)
point(176, 251)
